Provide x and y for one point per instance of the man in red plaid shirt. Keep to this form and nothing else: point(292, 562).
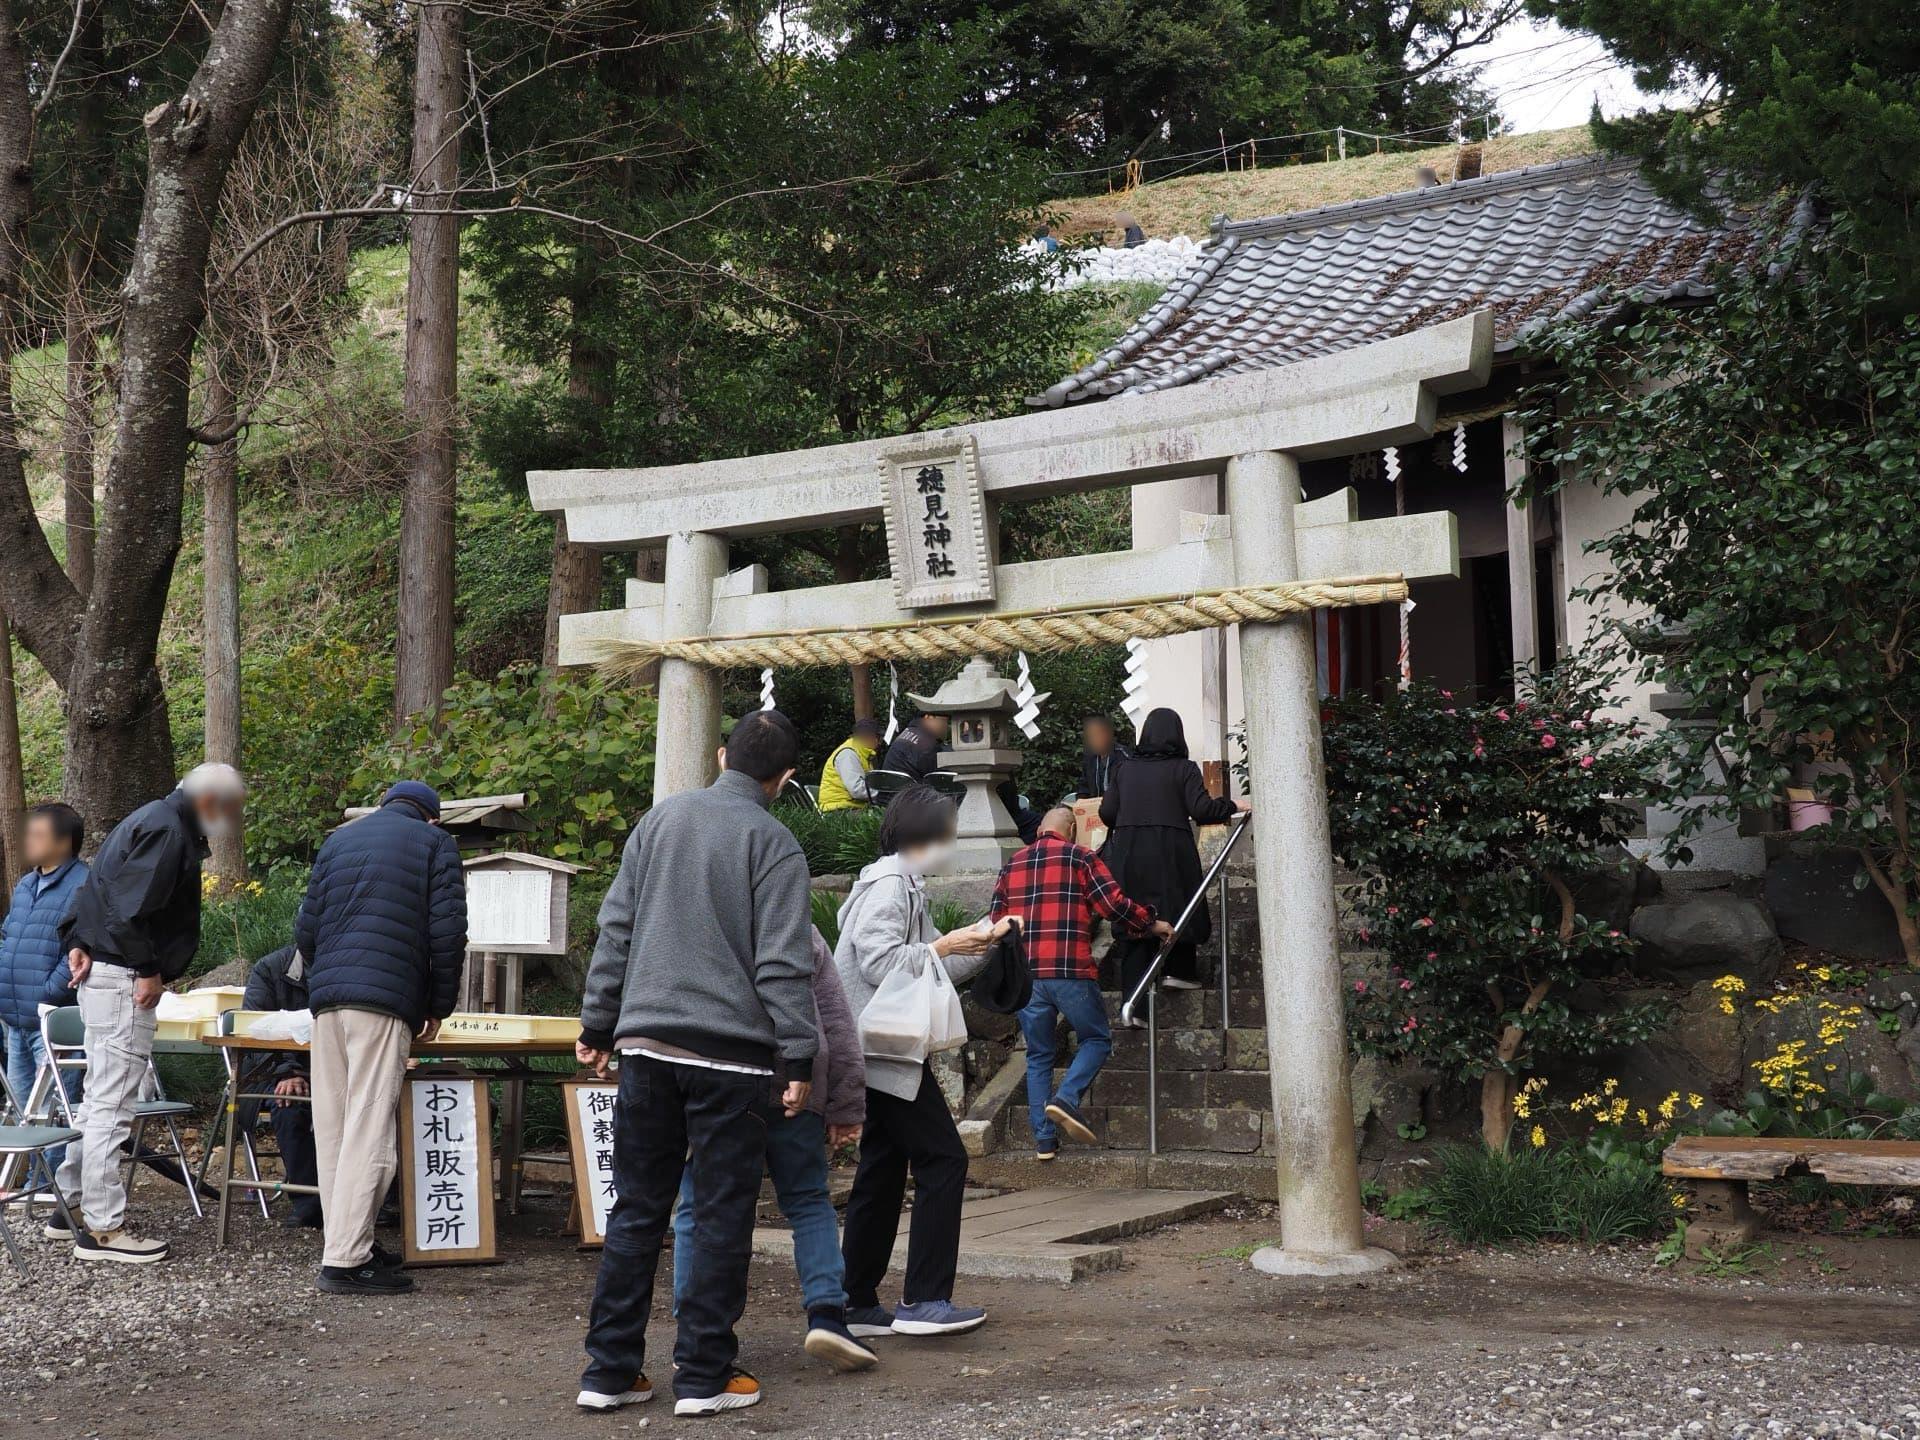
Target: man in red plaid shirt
point(1057, 889)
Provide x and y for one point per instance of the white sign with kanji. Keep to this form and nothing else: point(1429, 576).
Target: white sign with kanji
point(590, 1127)
point(448, 1159)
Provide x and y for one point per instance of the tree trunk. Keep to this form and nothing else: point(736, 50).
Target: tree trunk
point(13, 787)
point(1496, 1109)
point(846, 568)
point(574, 582)
point(76, 428)
point(101, 649)
point(220, 609)
point(423, 661)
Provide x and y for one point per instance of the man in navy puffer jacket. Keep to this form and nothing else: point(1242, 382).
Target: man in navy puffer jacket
point(31, 951)
point(384, 930)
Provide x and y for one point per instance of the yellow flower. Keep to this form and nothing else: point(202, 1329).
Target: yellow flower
point(1609, 1087)
point(1522, 1105)
point(1539, 1138)
point(1641, 1116)
point(1679, 1200)
point(1694, 1102)
point(1669, 1105)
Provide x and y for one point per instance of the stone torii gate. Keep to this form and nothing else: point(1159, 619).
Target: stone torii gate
point(939, 493)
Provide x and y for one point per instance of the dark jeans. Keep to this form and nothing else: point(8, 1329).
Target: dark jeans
point(669, 1118)
point(293, 1134)
point(917, 1134)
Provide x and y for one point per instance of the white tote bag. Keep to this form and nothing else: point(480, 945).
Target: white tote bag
point(912, 1016)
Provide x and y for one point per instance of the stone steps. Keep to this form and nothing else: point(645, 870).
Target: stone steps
point(1253, 1176)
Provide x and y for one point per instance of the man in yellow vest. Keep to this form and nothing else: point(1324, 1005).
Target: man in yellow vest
point(843, 779)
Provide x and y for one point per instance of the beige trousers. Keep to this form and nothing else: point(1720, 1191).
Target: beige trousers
point(359, 1063)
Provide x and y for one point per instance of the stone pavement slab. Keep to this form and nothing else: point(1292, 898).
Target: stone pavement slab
point(1052, 1233)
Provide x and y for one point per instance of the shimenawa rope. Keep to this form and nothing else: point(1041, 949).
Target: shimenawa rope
point(1007, 633)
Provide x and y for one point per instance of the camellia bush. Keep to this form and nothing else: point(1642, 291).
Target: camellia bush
point(1473, 825)
point(1769, 442)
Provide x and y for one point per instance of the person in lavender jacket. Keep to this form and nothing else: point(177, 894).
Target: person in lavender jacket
point(797, 1151)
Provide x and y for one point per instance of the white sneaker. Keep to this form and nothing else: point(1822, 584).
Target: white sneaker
point(1174, 982)
point(641, 1392)
point(121, 1246)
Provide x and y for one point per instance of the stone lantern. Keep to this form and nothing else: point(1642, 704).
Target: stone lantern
point(980, 704)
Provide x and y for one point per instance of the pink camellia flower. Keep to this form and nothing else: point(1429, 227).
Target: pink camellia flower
point(1521, 706)
point(1432, 955)
point(1366, 934)
point(1547, 742)
point(1613, 934)
point(1359, 987)
point(1579, 725)
point(1413, 1023)
point(1501, 715)
point(1586, 762)
point(1393, 909)
point(1479, 752)
point(1425, 922)
point(1446, 694)
point(1408, 984)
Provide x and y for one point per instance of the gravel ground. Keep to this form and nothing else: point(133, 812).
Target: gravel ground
point(1625, 1393)
point(148, 1317)
point(1185, 1342)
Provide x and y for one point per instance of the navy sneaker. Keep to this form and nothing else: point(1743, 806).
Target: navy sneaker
point(1068, 1117)
point(829, 1339)
point(1045, 1150)
point(868, 1321)
point(937, 1317)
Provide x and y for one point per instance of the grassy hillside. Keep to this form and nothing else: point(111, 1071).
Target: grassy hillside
point(1187, 204)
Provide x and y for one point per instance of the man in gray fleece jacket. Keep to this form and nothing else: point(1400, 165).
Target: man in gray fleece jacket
point(702, 979)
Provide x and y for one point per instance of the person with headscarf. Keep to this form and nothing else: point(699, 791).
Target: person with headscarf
point(1150, 808)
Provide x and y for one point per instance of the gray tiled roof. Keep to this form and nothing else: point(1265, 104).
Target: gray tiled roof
point(1535, 245)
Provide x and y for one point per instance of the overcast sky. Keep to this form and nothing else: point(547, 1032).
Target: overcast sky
point(1546, 78)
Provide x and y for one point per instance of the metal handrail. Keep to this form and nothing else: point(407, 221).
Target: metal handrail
point(1146, 986)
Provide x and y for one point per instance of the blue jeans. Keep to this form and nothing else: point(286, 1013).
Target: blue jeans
point(1085, 1009)
point(797, 1160)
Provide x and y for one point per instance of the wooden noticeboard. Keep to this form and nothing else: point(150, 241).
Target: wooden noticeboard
point(446, 1168)
point(590, 1128)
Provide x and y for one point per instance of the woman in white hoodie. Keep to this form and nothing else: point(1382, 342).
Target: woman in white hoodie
point(887, 925)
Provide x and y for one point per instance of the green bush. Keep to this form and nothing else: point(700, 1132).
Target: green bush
point(581, 749)
point(311, 711)
point(252, 921)
point(1473, 824)
point(1483, 1196)
point(841, 842)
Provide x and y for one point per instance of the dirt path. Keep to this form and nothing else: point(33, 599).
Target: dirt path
point(1186, 1340)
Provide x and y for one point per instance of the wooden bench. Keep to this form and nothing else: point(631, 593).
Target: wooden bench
point(1718, 1167)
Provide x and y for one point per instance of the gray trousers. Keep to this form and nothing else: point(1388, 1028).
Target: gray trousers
point(119, 1046)
point(359, 1062)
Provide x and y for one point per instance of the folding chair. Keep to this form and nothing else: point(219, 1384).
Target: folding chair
point(31, 1144)
point(883, 785)
point(63, 1034)
point(947, 783)
point(800, 794)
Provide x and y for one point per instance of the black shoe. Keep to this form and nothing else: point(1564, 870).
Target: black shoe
point(388, 1218)
point(385, 1258)
point(297, 1221)
point(57, 1227)
point(829, 1339)
point(1068, 1117)
point(367, 1279)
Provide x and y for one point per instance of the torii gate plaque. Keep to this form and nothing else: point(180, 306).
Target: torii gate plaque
point(1255, 428)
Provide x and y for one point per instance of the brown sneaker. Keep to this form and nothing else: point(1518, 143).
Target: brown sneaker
point(121, 1246)
point(742, 1390)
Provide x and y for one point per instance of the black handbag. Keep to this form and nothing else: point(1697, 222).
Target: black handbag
point(1005, 984)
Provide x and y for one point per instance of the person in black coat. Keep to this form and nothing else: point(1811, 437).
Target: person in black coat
point(1150, 809)
point(279, 982)
point(1101, 754)
point(384, 930)
point(915, 751)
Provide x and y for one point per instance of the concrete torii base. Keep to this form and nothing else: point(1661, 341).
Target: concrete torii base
point(1277, 1260)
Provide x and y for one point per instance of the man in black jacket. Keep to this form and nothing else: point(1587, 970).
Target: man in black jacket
point(1101, 754)
point(133, 926)
point(279, 982)
point(384, 930)
point(915, 750)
